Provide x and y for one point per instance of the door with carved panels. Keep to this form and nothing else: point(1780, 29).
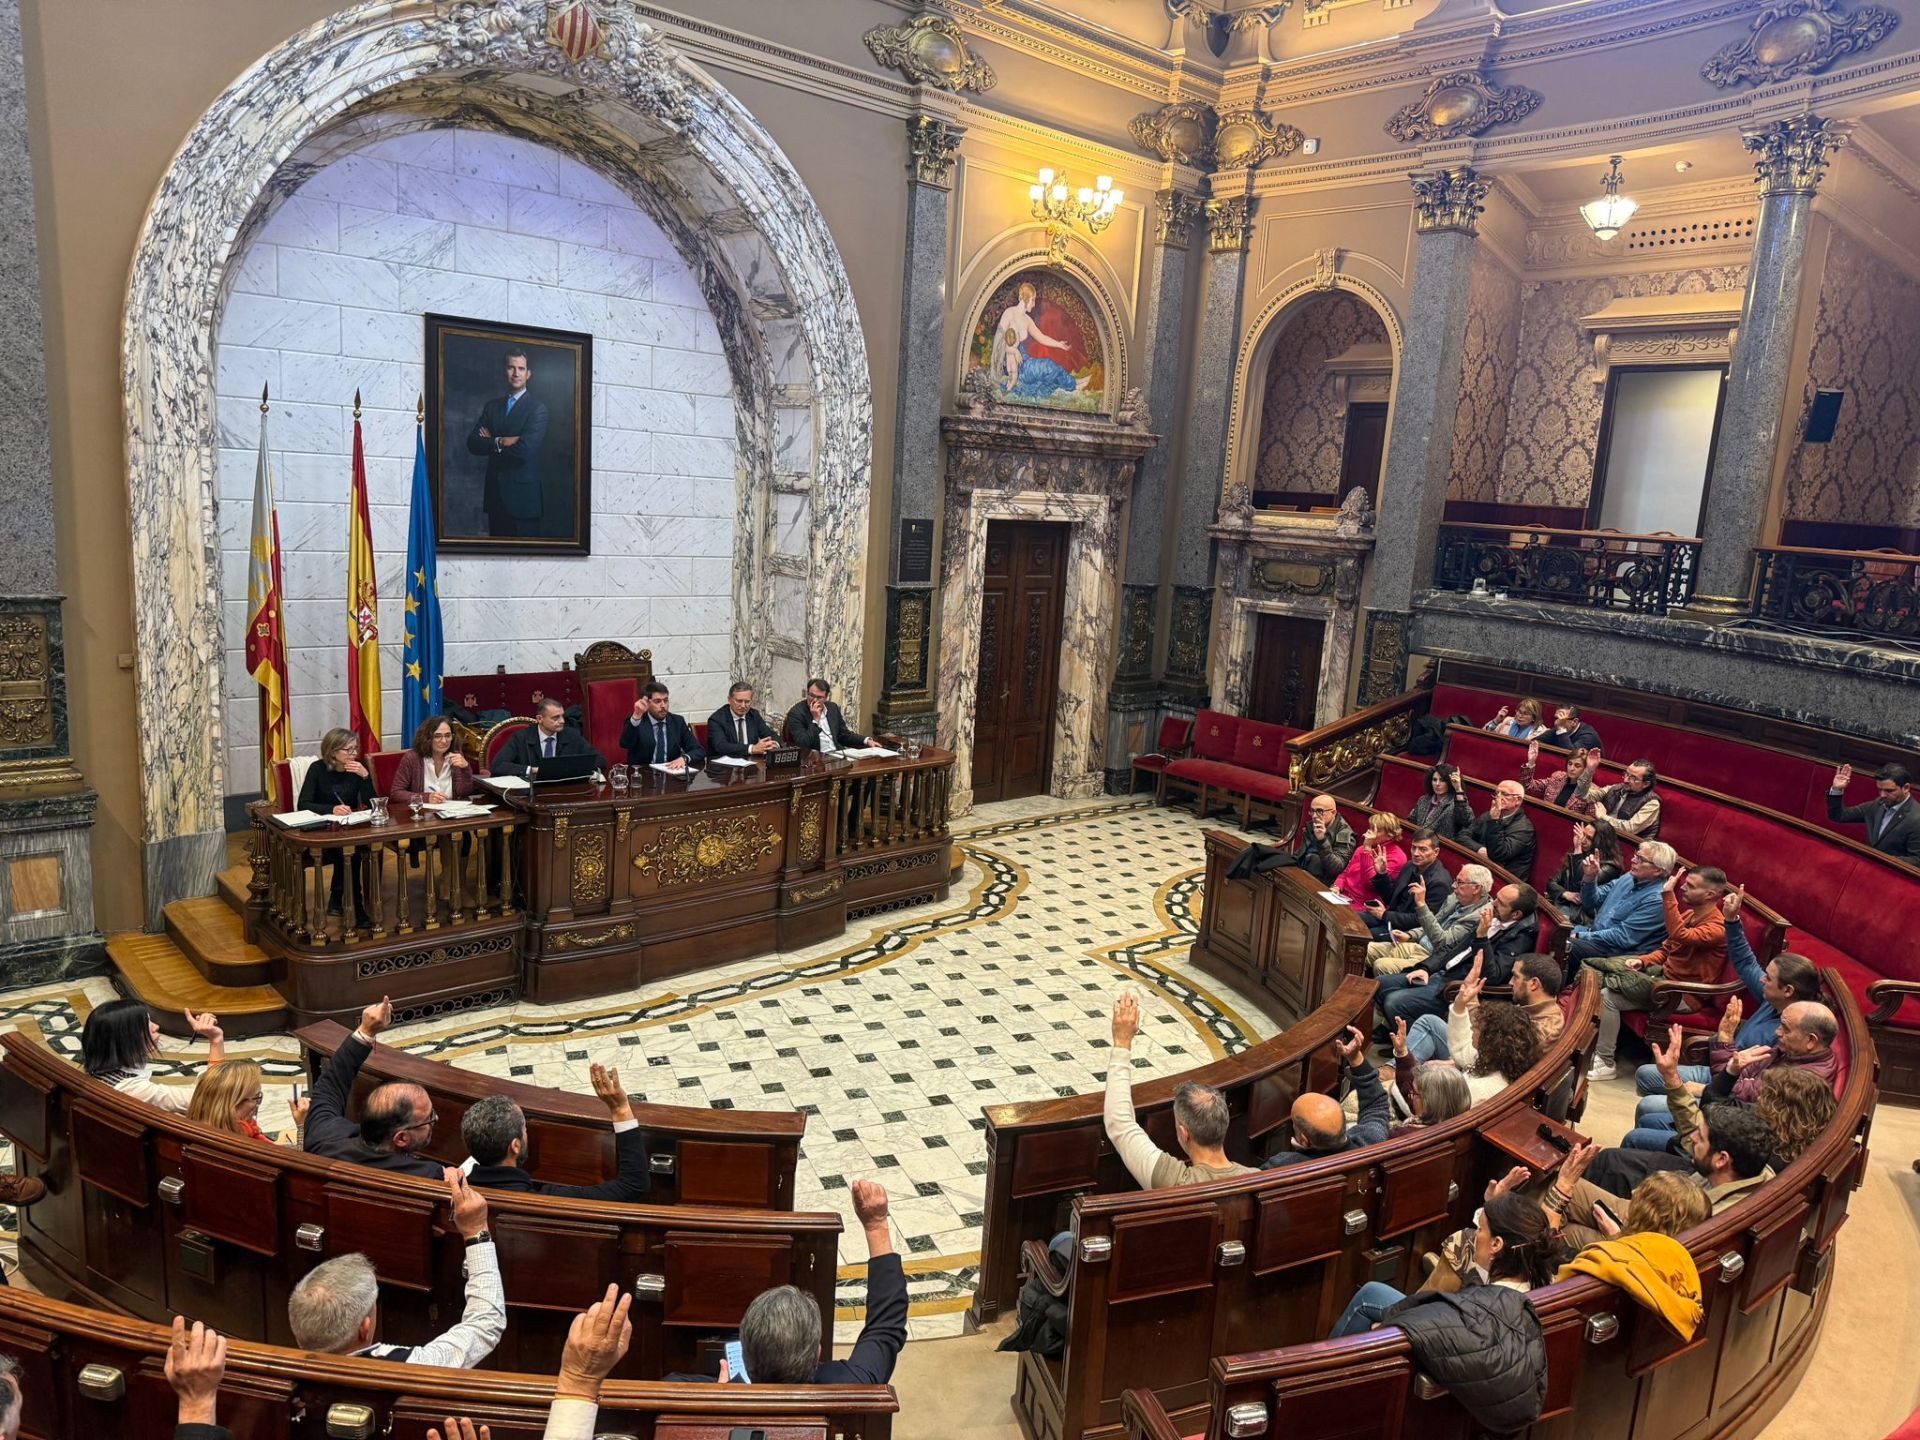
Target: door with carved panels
point(1017, 686)
point(1285, 682)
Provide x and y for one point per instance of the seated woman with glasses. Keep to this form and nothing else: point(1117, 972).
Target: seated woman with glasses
point(229, 1098)
point(338, 784)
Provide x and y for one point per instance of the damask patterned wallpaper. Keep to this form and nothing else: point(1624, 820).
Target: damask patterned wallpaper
point(1553, 410)
point(1866, 341)
point(1492, 340)
point(1301, 428)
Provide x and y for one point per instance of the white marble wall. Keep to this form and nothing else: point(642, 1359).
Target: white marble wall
point(329, 296)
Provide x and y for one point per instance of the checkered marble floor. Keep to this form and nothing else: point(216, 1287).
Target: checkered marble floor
point(893, 1036)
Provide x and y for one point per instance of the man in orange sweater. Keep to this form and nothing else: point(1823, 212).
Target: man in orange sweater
point(1695, 949)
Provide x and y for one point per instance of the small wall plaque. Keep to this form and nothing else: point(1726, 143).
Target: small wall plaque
point(916, 552)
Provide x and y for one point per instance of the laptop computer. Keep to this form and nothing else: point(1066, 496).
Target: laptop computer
point(564, 770)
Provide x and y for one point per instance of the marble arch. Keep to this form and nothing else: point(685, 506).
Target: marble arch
point(1249, 371)
point(649, 119)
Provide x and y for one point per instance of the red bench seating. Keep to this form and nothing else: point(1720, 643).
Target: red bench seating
point(1778, 779)
point(384, 764)
point(1176, 738)
point(1235, 757)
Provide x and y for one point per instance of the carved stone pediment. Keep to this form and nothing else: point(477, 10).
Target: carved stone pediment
point(1020, 450)
point(1662, 330)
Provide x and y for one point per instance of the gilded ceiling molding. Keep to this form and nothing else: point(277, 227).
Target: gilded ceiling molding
point(931, 143)
point(1249, 136)
point(1180, 133)
point(1227, 227)
point(1449, 200)
point(1177, 210)
point(930, 50)
point(1798, 37)
point(1463, 103)
point(1793, 153)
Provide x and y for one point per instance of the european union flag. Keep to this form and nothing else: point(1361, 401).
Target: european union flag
point(421, 660)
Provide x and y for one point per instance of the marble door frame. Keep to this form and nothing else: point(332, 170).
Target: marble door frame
point(1086, 643)
point(1336, 650)
point(651, 121)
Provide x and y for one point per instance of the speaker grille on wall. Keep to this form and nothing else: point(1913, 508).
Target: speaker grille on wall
point(1822, 415)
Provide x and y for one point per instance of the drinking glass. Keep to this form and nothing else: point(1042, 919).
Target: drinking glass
point(620, 776)
point(913, 748)
point(379, 807)
point(417, 808)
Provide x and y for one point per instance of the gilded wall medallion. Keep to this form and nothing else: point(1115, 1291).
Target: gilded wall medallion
point(930, 50)
point(1462, 103)
point(1180, 133)
point(1248, 137)
point(1800, 37)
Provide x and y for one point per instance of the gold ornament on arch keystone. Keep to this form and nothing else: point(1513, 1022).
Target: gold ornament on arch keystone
point(1799, 37)
point(930, 50)
point(1448, 200)
point(1463, 103)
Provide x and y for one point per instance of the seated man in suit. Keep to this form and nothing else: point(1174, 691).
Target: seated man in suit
point(1326, 841)
point(1392, 907)
point(1504, 932)
point(335, 1309)
point(495, 1130)
point(395, 1123)
point(736, 729)
point(549, 738)
point(656, 736)
point(1504, 835)
point(1892, 821)
point(780, 1333)
point(817, 724)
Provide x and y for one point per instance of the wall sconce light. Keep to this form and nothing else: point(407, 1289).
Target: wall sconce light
point(1609, 215)
point(1062, 207)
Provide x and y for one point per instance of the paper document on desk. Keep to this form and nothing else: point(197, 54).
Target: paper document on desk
point(870, 752)
point(1334, 897)
point(733, 760)
point(667, 767)
point(301, 819)
point(505, 783)
point(352, 817)
point(459, 810)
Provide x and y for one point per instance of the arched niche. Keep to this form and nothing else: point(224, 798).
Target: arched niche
point(1090, 280)
point(645, 117)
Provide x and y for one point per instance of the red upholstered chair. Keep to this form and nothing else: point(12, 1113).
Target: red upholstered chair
point(1211, 764)
point(699, 728)
point(282, 796)
point(609, 706)
point(386, 764)
point(1176, 738)
point(497, 737)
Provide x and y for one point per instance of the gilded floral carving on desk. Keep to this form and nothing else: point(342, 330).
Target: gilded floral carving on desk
point(706, 850)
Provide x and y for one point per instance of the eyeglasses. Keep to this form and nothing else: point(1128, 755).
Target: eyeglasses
point(433, 1119)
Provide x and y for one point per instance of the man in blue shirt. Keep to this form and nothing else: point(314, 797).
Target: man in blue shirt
point(1628, 915)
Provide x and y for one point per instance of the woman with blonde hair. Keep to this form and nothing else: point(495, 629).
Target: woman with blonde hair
point(1643, 1256)
point(1379, 853)
point(228, 1098)
point(1521, 723)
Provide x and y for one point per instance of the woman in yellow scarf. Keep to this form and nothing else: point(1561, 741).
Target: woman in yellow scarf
point(1643, 1258)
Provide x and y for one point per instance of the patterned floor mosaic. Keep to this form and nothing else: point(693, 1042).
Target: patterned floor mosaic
point(893, 1036)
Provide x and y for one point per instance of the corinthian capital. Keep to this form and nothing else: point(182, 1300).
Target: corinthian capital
point(1227, 229)
point(930, 146)
point(1177, 210)
point(1793, 153)
point(1448, 200)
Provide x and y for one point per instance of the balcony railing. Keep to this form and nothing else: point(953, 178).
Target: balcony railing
point(1600, 569)
point(1874, 594)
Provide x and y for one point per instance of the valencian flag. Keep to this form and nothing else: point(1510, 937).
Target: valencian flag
point(363, 608)
point(266, 617)
point(421, 659)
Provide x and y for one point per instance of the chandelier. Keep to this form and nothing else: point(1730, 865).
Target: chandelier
point(1608, 215)
point(1062, 207)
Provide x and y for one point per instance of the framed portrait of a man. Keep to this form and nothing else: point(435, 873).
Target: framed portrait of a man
point(509, 437)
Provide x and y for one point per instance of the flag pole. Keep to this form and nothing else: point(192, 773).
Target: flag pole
point(260, 694)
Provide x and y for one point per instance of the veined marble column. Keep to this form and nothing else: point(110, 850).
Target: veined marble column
point(46, 810)
point(1133, 707)
point(1792, 156)
point(906, 697)
point(1210, 404)
point(1413, 484)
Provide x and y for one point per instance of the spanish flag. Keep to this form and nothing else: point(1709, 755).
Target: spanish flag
point(363, 608)
point(266, 619)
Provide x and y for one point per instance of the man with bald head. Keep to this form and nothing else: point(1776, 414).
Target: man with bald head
point(396, 1122)
point(1319, 1126)
point(1504, 835)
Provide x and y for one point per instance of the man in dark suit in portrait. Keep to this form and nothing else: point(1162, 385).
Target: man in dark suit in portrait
point(736, 729)
point(510, 432)
point(1892, 821)
point(548, 738)
point(817, 724)
point(656, 736)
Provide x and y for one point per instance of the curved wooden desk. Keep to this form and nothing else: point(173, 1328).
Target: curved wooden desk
point(578, 890)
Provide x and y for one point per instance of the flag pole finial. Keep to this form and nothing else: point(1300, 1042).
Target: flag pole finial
point(420, 409)
point(263, 399)
point(356, 404)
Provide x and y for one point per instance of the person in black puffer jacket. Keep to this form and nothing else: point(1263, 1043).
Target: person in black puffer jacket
point(1483, 1343)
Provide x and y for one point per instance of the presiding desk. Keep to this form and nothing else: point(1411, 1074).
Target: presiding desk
point(565, 892)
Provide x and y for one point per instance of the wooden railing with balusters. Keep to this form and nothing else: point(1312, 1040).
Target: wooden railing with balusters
point(892, 822)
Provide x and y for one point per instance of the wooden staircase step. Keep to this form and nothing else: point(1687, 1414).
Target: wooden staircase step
point(210, 933)
point(158, 973)
point(233, 886)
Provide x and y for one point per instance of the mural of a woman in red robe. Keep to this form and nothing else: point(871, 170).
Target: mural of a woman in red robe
point(1037, 350)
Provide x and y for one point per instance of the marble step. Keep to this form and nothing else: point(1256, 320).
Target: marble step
point(155, 971)
point(233, 886)
point(209, 932)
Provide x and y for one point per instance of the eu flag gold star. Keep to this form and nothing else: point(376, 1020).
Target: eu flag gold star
point(413, 671)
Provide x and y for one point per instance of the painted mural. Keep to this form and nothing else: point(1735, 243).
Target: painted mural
point(1038, 343)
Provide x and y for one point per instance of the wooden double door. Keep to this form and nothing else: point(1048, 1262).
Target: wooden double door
point(1284, 686)
point(1016, 690)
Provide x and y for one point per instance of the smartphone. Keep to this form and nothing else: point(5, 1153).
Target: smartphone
point(1607, 1210)
point(299, 1092)
point(741, 1432)
point(737, 1370)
